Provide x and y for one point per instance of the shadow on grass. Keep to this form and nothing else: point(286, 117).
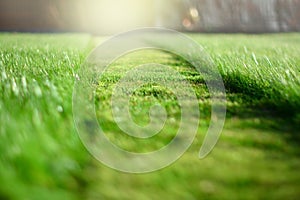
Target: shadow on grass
point(248, 99)
point(271, 117)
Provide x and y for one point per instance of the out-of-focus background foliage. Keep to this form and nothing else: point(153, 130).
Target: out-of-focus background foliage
point(107, 17)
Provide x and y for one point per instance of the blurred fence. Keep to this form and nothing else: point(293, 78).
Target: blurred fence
point(110, 16)
point(242, 15)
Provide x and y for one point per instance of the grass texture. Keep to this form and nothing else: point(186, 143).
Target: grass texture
point(257, 156)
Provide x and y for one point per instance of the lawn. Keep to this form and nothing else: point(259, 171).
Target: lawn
point(257, 156)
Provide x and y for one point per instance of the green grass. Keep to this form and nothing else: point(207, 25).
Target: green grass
point(257, 156)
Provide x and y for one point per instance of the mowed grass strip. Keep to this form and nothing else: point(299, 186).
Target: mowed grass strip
point(257, 156)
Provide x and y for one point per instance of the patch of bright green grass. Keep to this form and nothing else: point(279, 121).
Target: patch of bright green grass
point(265, 68)
point(257, 156)
point(41, 155)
